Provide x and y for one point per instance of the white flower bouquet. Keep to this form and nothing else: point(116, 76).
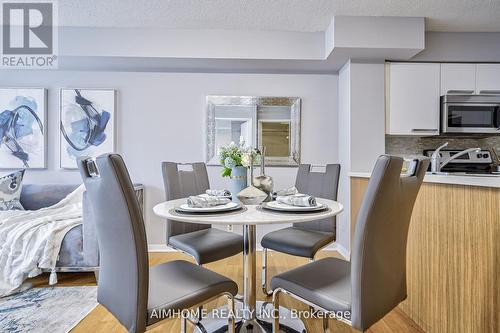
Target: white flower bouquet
point(234, 155)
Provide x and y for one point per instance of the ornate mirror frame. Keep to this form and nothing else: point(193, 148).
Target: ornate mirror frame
point(295, 119)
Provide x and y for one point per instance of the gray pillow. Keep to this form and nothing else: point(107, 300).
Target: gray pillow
point(10, 191)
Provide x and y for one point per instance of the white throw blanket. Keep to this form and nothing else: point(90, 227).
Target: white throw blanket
point(31, 240)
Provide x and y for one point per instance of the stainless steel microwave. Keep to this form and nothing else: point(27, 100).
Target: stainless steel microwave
point(470, 114)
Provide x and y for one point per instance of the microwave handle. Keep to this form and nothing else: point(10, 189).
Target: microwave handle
point(416, 130)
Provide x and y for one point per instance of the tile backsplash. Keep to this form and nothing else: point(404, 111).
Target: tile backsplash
point(409, 146)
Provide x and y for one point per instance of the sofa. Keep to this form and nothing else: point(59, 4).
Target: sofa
point(79, 250)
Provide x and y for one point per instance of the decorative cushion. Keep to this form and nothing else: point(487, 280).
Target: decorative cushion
point(10, 191)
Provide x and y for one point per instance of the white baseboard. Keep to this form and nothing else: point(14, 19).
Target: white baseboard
point(342, 250)
point(160, 248)
point(333, 247)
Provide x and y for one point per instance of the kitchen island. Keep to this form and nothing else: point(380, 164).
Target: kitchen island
point(453, 253)
point(489, 180)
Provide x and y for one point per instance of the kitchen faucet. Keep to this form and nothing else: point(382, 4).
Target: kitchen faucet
point(437, 164)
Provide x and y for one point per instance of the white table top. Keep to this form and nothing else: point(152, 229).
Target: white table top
point(252, 215)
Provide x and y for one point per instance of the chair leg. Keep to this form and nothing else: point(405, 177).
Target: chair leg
point(231, 320)
point(183, 324)
point(326, 324)
point(311, 309)
point(264, 273)
point(200, 308)
point(200, 313)
point(276, 311)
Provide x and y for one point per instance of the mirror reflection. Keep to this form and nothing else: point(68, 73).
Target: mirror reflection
point(271, 122)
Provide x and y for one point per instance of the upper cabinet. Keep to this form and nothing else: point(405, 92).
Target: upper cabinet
point(413, 92)
point(458, 79)
point(412, 98)
point(470, 79)
point(488, 79)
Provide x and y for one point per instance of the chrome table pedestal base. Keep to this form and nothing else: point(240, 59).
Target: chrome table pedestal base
point(252, 316)
point(261, 324)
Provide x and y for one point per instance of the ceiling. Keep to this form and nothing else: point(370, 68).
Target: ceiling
point(284, 15)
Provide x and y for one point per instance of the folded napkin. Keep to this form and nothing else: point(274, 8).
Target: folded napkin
point(218, 193)
point(205, 201)
point(301, 200)
point(287, 191)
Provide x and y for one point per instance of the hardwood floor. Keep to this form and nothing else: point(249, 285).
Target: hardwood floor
point(101, 321)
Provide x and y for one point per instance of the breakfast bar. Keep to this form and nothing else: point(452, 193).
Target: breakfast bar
point(453, 254)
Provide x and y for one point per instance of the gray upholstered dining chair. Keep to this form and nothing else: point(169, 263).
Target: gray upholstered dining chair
point(139, 296)
point(305, 239)
point(363, 291)
point(201, 241)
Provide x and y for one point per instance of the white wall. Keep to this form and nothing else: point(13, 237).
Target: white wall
point(367, 115)
point(196, 44)
point(238, 51)
point(379, 32)
point(344, 129)
point(460, 47)
point(161, 116)
point(361, 130)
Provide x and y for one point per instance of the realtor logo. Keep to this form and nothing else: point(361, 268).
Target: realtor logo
point(29, 38)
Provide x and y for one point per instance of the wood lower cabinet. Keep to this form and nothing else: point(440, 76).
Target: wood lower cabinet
point(453, 257)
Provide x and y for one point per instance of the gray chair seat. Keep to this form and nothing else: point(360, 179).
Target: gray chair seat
point(193, 285)
point(297, 242)
point(330, 289)
point(208, 245)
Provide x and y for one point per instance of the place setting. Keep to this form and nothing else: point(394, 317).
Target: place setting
point(211, 202)
point(290, 200)
point(253, 191)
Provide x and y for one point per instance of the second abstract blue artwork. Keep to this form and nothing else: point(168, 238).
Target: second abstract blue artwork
point(87, 124)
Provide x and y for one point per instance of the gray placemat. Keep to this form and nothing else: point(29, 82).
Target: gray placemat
point(173, 212)
point(283, 212)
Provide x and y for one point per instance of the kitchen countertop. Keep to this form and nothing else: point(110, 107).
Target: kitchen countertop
point(470, 180)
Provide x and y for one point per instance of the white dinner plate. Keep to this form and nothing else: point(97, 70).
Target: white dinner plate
point(278, 206)
point(184, 208)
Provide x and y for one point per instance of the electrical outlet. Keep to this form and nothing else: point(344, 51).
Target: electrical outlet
point(230, 227)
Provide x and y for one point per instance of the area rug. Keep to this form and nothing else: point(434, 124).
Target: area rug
point(55, 310)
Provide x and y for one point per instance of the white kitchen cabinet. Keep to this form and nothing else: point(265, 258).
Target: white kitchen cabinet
point(412, 98)
point(488, 79)
point(458, 79)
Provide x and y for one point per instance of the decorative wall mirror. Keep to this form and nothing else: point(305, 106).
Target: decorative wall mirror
point(273, 122)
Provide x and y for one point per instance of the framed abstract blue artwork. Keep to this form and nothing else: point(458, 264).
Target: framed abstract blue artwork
point(23, 113)
point(87, 124)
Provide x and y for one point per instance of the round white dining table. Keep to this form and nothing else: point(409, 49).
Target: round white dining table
point(249, 217)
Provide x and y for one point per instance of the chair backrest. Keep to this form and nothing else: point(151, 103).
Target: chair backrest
point(180, 184)
point(378, 261)
point(321, 185)
point(124, 270)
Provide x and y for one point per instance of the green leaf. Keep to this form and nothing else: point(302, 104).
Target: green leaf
point(226, 172)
